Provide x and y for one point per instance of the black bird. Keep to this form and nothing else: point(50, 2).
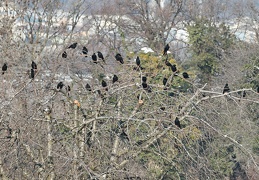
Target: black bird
point(33, 65)
point(100, 55)
point(244, 94)
point(177, 122)
point(115, 78)
point(85, 50)
point(9, 132)
point(144, 79)
point(60, 85)
point(104, 84)
point(162, 108)
point(88, 87)
point(32, 73)
point(185, 75)
point(68, 88)
point(73, 46)
point(164, 81)
point(257, 89)
point(64, 54)
point(118, 57)
point(4, 68)
point(166, 49)
point(124, 136)
point(168, 63)
point(173, 67)
point(138, 61)
point(226, 88)
point(94, 58)
point(144, 85)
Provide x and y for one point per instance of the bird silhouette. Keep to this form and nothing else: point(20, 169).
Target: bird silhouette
point(115, 78)
point(226, 89)
point(244, 94)
point(88, 87)
point(4, 68)
point(9, 132)
point(33, 65)
point(60, 85)
point(138, 61)
point(168, 63)
point(166, 49)
point(173, 67)
point(144, 79)
point(94, 58)
point(124, 136)
point(32, 73)
point(72, 46)
point(185, 75)
point(177, 122)
point(100, 55)
point(144, 85)
point(118, 57)
point(104, 84)
point(64, 54)
point(85, 50)
point(257, 89)
point(164, 81)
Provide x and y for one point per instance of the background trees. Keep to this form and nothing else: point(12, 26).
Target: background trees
point(123, 130)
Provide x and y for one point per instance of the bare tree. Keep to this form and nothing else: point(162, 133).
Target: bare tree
point(114, 130)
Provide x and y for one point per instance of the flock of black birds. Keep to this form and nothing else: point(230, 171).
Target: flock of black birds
point(115, 78)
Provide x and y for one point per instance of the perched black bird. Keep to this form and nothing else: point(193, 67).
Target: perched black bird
point(244, 94)
point(118, 57)
point(60, 85)
point(168, 63)
point(85, 50)
point(162, 108)
point(124, 136)
point(88, 87)
point(73, 46)
point(100, 55)
point(166, 49)
point(32, 73)
point(64, 54)
point(226, 88)
point(33, 65)
point(164, 81)
point(257, 89)
point(115, 78)
point(104, 84)
point(177, 122)
point(144, 79)
point(185, 75)
point(173, 67)
point(4, 68)
point(138, 61)
point(94, 58)
point(144, 85)
point(9, 132)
